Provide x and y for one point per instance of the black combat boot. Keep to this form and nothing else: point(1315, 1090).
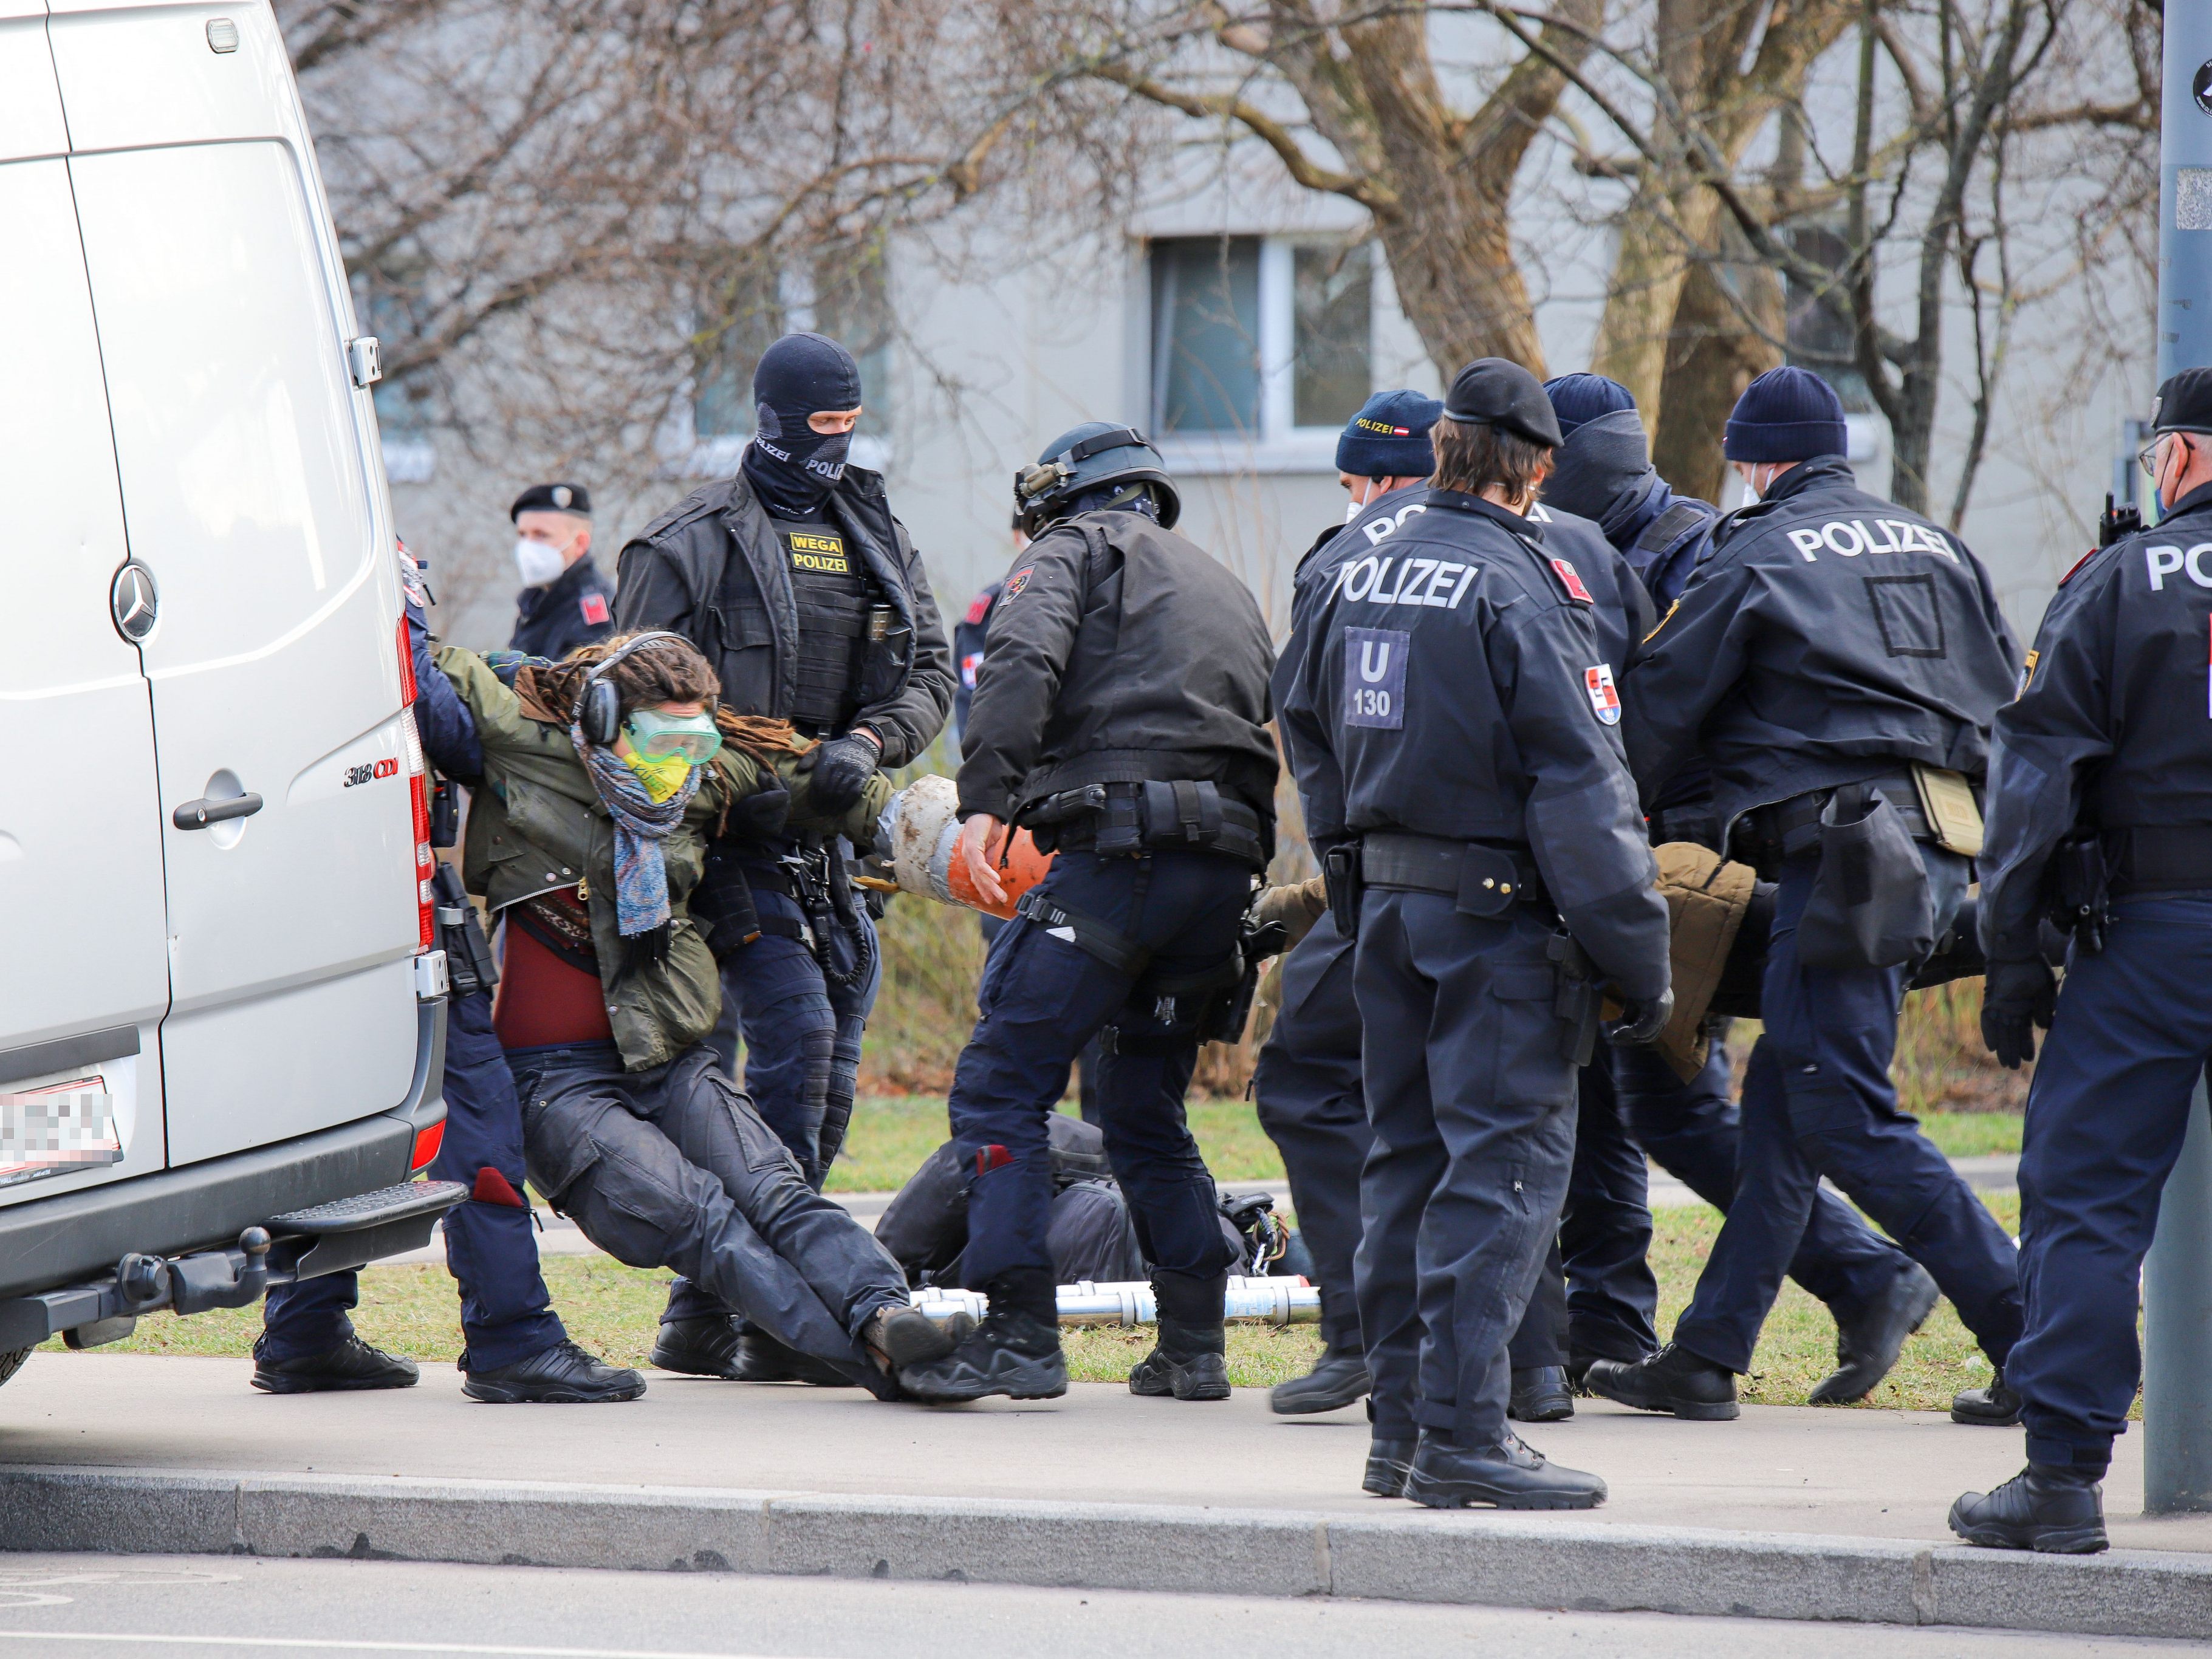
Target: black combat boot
point(1338, 1379)
point(1672, 1380)
point(1014, 1350)
point(563, 1375)
point(1189, 1360)
point(897, 1337)
point(1996, 1407)
point(698, 1347)
point(1512, 1475)
point(1389, 1463)
point(2056, 1509)
point(352, 1366)
point(1868, 1343)
point(1541, 1394)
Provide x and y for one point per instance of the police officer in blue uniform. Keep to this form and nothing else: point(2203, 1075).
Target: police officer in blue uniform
point(518, 1350)
point(1121, 716)
point(971, 635)
point(1877, 1295)
point(1306, 1083)
point(1454, 728)
point(565, 602)
point(804, 591)
point(2100, 815)
point(1836, 661)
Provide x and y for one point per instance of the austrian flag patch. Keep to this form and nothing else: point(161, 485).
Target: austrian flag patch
point(1598, 681)
point(594, 609)
point(1571, 579)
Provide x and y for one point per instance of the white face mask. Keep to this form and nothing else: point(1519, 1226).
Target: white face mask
point(538, 563)
point(1355, 507)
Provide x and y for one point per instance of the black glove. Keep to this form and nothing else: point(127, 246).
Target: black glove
point(1642, 1019)
point(838, 771)
point(2017, 996)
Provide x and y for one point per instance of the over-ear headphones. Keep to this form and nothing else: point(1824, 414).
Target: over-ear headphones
point(601, 714)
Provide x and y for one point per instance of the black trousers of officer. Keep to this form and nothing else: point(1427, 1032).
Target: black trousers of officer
point(1042, 998)
point(2106, 1114)
point(1471, 1102)
point(672, 1167)
point(1307, 1088)
point(1817, 1100)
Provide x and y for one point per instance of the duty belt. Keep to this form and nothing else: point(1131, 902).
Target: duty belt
point(1482, 878)
point(1118, 819)
point(2170, 857)
point(1794, 825)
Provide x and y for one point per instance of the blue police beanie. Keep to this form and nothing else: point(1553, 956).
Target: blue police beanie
point(1578, 399)
point(1787, 414)
point(1389, 437)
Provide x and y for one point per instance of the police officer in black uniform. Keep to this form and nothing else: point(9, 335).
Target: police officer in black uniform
point(1121, 715)
point(2101, 794)
point(1603, 472)
point(565, 602)
point(1836, 661)
point(806, 595)
point(1453, 729)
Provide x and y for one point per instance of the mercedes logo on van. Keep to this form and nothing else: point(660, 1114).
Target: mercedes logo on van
point(134, 601)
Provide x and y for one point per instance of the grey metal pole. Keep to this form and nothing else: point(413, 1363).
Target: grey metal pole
point(2177, 1277)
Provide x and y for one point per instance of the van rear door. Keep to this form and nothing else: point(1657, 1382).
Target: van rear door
point(84, 978)
point(250, 491)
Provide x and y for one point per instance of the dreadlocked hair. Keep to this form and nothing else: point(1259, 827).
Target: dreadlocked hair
point(766, 740)
point(668, 669)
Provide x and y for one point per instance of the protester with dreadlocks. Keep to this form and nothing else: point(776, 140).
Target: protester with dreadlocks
point(604, 777)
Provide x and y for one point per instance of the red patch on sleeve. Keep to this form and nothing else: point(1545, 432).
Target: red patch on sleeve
point(594, 607)
point(1572, 581)
point(979, 609)
point(1018, 581)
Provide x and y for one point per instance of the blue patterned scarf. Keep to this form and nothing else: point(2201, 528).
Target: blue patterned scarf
point(641, 877)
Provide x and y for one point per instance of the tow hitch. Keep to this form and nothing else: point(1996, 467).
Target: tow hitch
point(329, 1238)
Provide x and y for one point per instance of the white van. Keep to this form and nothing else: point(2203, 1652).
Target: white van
point(220, 1004)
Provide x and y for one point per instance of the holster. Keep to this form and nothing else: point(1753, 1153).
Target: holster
point(1125, 819)
point(1576, 998)
point(1340, 874)
point(2079, 884)
point(1870, 906)
point(470, 966)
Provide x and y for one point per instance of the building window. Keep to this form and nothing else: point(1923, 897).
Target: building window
point(388, 302)
point(853, 306)
point(1259, 337)
point(1333, 309)
point(739, 317)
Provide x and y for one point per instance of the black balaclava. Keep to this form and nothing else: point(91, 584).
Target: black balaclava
point(1120, 497)
point(790, 465)
point(1603, 472)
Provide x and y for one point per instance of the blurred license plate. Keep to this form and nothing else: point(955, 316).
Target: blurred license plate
point(53, 1130)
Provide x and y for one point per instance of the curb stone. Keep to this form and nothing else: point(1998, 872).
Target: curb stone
point(1472, 1558)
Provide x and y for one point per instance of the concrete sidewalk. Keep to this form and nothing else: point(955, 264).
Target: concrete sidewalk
point(1787, 1513)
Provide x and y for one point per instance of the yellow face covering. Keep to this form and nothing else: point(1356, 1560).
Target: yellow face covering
point(661, 775)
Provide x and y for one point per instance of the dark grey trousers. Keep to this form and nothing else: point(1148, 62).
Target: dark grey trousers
point(673, 1168)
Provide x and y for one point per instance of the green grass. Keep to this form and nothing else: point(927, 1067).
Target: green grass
point(1973, 1135)
point(611, 1310)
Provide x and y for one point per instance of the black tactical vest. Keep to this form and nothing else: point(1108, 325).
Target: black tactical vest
point(839, 610)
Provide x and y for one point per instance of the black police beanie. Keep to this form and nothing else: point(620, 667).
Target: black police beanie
point(552, 498)
point(1578, 399)
point(1389, 437)
point(1497, 391)
point(2184, 404)
point(1787, 414)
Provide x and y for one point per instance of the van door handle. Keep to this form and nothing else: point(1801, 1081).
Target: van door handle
point(198, 814)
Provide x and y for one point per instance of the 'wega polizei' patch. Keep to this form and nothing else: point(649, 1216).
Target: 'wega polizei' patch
point(1375, 677)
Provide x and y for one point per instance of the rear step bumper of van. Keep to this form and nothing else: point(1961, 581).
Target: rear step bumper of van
point(337, 1198)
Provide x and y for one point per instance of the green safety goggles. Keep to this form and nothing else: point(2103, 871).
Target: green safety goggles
point(694, 737)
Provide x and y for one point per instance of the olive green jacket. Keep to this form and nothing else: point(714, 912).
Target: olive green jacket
point(537, 825)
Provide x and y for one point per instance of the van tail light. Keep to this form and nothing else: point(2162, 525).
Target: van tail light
point(418, 797)
point(426, 1143)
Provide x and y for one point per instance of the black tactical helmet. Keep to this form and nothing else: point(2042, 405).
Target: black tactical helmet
point(1096, 454)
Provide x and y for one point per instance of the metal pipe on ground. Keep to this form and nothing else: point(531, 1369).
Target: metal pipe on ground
point(1249, 1302)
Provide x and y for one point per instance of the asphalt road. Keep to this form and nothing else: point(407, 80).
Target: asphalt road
point(148, 1606)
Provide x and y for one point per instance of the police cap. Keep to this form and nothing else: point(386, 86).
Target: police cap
point(1497, 391)
point(2184, 404)
point(552, 498)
